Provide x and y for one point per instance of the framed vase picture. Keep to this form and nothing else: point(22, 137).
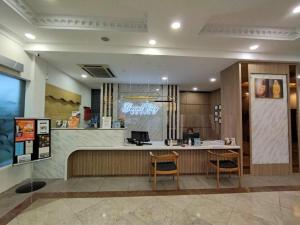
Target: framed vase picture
point(217, 114)
point(268, 88)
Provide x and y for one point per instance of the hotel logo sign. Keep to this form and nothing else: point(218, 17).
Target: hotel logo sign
point(139, 110)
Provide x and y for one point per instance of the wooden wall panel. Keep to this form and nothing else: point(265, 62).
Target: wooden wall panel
point(245, 117)
point(113, 163)
point(197, 110)
point(59, 109)
point(231, 103)
point(270, 169)
point(268, 68)
point(59, 93)
point(215, 99)
point(60, 103)
point(298, 110)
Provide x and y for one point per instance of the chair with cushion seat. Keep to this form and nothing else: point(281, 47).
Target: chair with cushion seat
point(164, 165)
point(226, 162)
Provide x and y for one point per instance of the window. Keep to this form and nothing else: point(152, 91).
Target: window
point(12, 98)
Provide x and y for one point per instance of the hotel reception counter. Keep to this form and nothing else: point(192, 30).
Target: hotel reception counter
point(102, 152)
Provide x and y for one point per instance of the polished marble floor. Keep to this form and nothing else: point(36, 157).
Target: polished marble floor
point(141, 183)
point(265, 208)
point(9, 201)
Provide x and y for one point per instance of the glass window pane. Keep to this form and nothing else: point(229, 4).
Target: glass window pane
point(12, 97)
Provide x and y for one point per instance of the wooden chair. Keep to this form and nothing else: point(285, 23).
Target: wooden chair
point(164, 165)
point(226, 162)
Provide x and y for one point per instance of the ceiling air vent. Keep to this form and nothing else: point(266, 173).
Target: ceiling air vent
point(98, 71)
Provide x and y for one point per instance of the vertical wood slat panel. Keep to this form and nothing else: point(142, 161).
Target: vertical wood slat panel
point(130, 162)
point(107, 103)
point(174, 112)
point(104, 100)
point(169, 116)
point(109, 99)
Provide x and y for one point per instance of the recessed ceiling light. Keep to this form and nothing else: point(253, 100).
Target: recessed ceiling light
point(157, 89)
point(212, 79)
point(254, 47)
point(152, 42)
point(164, 78)
point(296, 9)
point(175, 25)
point(195, 89)
point(30, 36)
point(83, 76)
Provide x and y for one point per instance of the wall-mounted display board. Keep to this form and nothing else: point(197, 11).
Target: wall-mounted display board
point(32, 140)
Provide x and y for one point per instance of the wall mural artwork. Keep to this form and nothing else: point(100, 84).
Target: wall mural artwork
point(268, 88)
point(12, 92)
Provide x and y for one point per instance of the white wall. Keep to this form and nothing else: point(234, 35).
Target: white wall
point(61, 80)
point(11, 176)
point(36, 72)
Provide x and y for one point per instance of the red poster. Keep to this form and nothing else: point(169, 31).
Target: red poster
point(25, 130)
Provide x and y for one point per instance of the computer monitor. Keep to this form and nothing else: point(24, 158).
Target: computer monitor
point(187, 136)
point(140, 136)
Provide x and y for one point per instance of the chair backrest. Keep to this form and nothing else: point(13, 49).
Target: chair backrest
point(228, 154)
point(170, 157)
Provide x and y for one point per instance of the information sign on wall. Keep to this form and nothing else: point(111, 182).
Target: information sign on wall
point(145, 108)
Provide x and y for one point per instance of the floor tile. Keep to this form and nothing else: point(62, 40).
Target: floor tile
point(209, 210)
point(213, 209)
point(287, 202)
point(239, 218)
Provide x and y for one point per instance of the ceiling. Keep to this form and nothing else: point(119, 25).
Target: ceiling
point(189, 72)
point(214, 34)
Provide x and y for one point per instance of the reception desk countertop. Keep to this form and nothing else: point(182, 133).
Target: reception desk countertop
point(158, 146)
point(90, 128)
point(110, 142)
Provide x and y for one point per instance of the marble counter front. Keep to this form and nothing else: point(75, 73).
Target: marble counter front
point(64, 142)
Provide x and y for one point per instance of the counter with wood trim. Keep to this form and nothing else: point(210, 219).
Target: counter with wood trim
point(134, 160)
point(102, 152)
